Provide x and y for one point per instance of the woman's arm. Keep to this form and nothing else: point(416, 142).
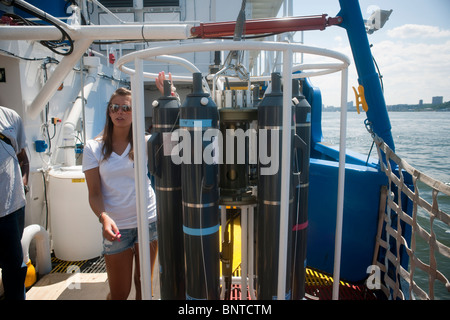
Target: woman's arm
point(110, 230)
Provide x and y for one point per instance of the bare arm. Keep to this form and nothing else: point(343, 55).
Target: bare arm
point(24, 165)
point(110, 230)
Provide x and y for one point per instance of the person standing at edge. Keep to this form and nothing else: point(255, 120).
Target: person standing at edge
point(108, 165)
point(14, 170)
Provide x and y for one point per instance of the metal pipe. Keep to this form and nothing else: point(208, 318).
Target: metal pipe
point(250, 257)
point(244, 256)
point(232, 45)
point(43, 258)
point(98, 3)
point(103, 32)
point(261, 26)
point(177, 60)
point(58, 76)
point(192, 68)
point(140, 168)
point(341, 184)
point(285, 172)
point(72, 119)
point(223, 223)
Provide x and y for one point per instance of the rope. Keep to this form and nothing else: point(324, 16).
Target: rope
point(393, 215)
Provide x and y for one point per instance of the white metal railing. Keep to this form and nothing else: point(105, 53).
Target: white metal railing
point(288, 50)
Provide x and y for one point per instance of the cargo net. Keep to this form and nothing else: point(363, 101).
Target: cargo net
point(408, 215)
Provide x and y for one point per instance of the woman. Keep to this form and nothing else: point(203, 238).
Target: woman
point(109, 170)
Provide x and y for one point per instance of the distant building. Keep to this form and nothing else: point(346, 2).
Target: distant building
point(437, 100)
point(421, 102)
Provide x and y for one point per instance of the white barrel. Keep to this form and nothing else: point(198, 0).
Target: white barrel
point(75, 230)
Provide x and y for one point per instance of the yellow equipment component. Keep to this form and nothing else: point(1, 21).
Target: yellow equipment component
point(30, 278)
point(360, 99)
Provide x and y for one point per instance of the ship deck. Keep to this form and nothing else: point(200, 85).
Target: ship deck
point(87, 280)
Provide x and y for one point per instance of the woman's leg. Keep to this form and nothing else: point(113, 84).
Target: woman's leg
point(119, 267)
point(137, 274)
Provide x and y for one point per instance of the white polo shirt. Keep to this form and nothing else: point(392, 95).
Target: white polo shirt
point(117, 183)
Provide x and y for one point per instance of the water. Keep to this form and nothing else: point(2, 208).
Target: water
point(422, 140)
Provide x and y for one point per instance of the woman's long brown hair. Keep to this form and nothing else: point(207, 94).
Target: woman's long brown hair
point(109, 125)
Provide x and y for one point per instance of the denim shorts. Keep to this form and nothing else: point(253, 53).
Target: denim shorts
point(127, 240)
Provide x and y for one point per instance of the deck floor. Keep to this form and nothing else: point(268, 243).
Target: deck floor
point(90, 282)
point(67, 286)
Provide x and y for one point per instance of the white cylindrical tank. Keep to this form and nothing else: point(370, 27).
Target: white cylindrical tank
point(76, 232)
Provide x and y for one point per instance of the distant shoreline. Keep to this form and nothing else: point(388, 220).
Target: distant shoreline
point(443, 107)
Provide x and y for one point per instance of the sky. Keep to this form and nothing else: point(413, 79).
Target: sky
point(412, 50)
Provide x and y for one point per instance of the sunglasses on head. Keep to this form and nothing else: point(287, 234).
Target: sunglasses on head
point(115, 107)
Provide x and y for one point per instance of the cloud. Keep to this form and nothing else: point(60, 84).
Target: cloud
point(409, 31)
point(414, 70)
point(414, 61)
